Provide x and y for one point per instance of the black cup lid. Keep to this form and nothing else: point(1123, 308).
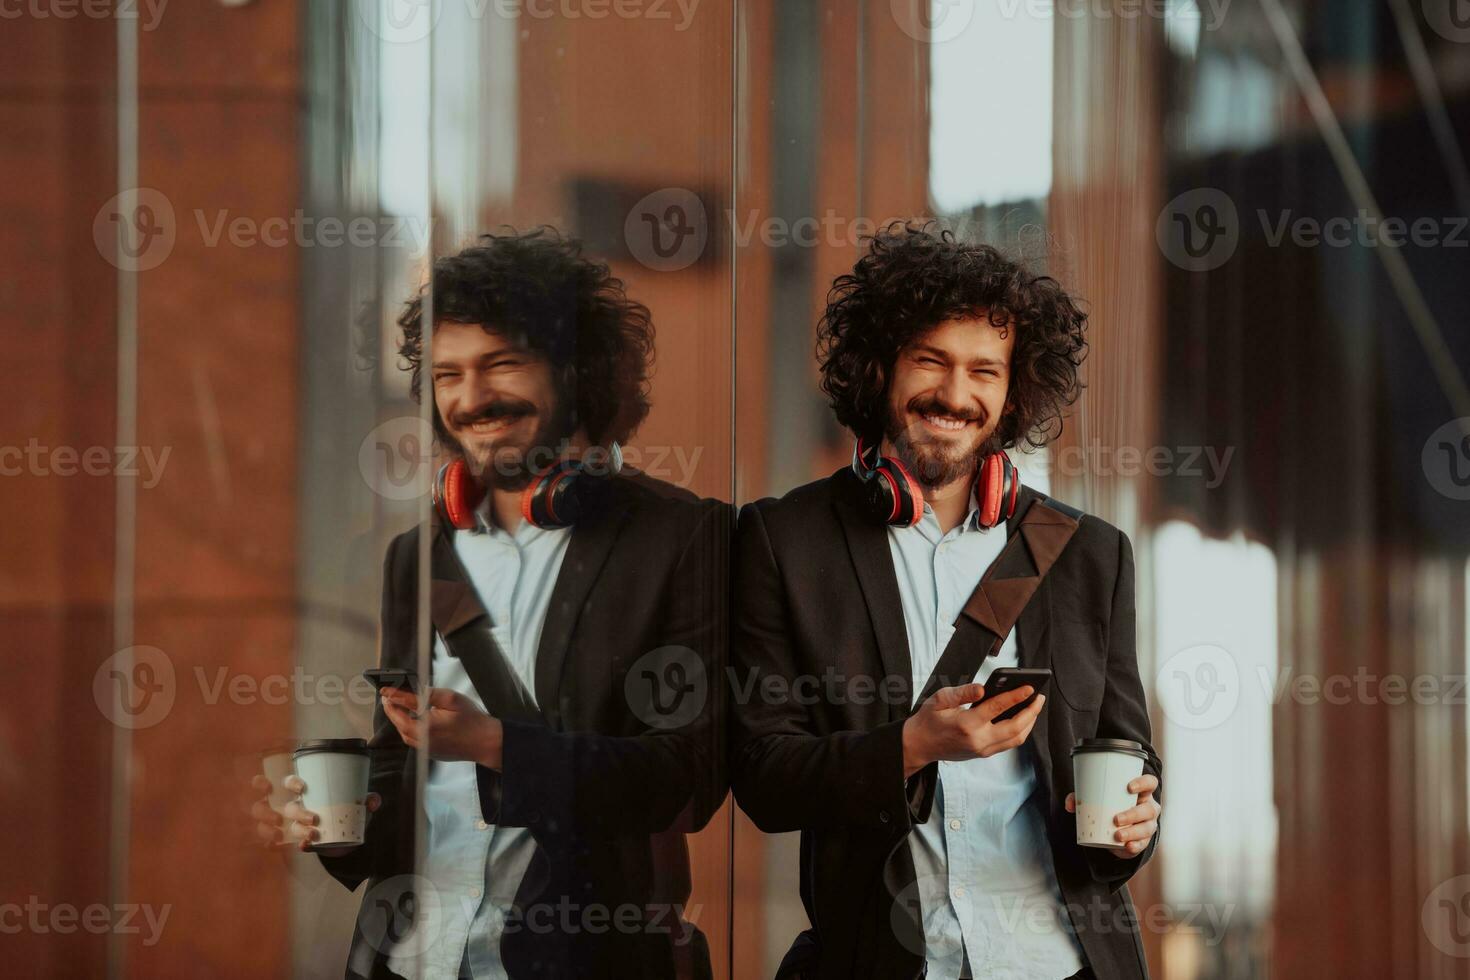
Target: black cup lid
point(1127, 746)
point(355, 746)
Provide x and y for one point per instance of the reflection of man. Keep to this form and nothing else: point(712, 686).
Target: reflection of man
point(935, 837)
point(563, 775)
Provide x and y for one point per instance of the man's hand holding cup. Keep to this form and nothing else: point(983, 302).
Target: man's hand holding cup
point(337, 791)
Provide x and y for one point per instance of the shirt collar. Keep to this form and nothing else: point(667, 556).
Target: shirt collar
point(970, 523)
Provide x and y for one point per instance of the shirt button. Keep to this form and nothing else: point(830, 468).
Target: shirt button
point(474, 893)
point(481, 825)
point(959, 893)
point(955, 825)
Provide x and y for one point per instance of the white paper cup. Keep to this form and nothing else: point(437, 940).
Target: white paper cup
point(1102, 768)
point(335, 771)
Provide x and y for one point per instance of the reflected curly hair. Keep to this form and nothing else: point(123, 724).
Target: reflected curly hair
point(538, 291)
point(914, 277)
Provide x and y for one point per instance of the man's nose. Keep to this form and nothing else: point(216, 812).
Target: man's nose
point(954, 395)
point(476, 394)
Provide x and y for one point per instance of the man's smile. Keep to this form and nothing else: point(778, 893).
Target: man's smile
point(493, 427)
point(945, 423)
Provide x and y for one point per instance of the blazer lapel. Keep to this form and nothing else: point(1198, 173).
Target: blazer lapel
point(867, 542)
point(592, 540)
point(453, 602)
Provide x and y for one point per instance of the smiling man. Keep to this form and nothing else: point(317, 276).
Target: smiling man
point(937, 836)
point(565, 591)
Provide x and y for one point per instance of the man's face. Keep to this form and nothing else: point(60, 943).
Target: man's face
point(499, 403)
point(946, 397)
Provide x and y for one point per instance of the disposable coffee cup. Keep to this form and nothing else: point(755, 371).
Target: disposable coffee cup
point(1102, 768)
point(335, 771)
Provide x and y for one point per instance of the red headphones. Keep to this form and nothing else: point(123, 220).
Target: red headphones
point(895, 499)
point(553, 499)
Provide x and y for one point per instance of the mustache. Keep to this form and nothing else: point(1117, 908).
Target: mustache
point(501, 408)
point(928, 405)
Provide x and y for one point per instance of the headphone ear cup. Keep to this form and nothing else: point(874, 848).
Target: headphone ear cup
point(456, 495)
point(1013, 487)
point(552, 499)
point(893, 496)
point(908, 497)
point(997, 488)
point(990, 489)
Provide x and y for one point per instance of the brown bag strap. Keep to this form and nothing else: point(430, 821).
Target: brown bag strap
point(463, 623)
point(1004, 591)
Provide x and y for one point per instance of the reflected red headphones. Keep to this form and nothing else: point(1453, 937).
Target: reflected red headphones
point(553, 499)
point(894, 496)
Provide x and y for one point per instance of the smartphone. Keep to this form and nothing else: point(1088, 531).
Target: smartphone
point(382, 677)
point(1004, 679)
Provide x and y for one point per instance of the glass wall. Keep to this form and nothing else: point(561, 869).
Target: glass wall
point(219, 213)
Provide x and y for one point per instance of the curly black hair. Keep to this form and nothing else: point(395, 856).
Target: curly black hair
point(915, 276)
point(537, 290)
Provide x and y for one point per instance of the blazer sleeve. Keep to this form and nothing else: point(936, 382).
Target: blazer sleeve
point(785, 776)
point(390, 755)
point(660, 778)
point(1124, 711)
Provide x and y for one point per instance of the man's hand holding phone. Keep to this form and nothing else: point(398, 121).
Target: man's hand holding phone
point(947, 728)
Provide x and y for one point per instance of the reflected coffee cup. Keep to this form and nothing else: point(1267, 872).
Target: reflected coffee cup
point(335, 774)
point(1102, 768)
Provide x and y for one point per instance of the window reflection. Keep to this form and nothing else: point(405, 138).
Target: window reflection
point(1216, 631)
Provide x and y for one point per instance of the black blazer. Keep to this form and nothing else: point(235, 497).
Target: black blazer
point(815, 591)
point(607, 792)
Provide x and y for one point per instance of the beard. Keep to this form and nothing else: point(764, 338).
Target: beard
point(933, 460)
point(513, 462)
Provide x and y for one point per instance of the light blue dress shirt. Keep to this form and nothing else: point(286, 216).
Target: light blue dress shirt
point(474, 867)
point(986, 884)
